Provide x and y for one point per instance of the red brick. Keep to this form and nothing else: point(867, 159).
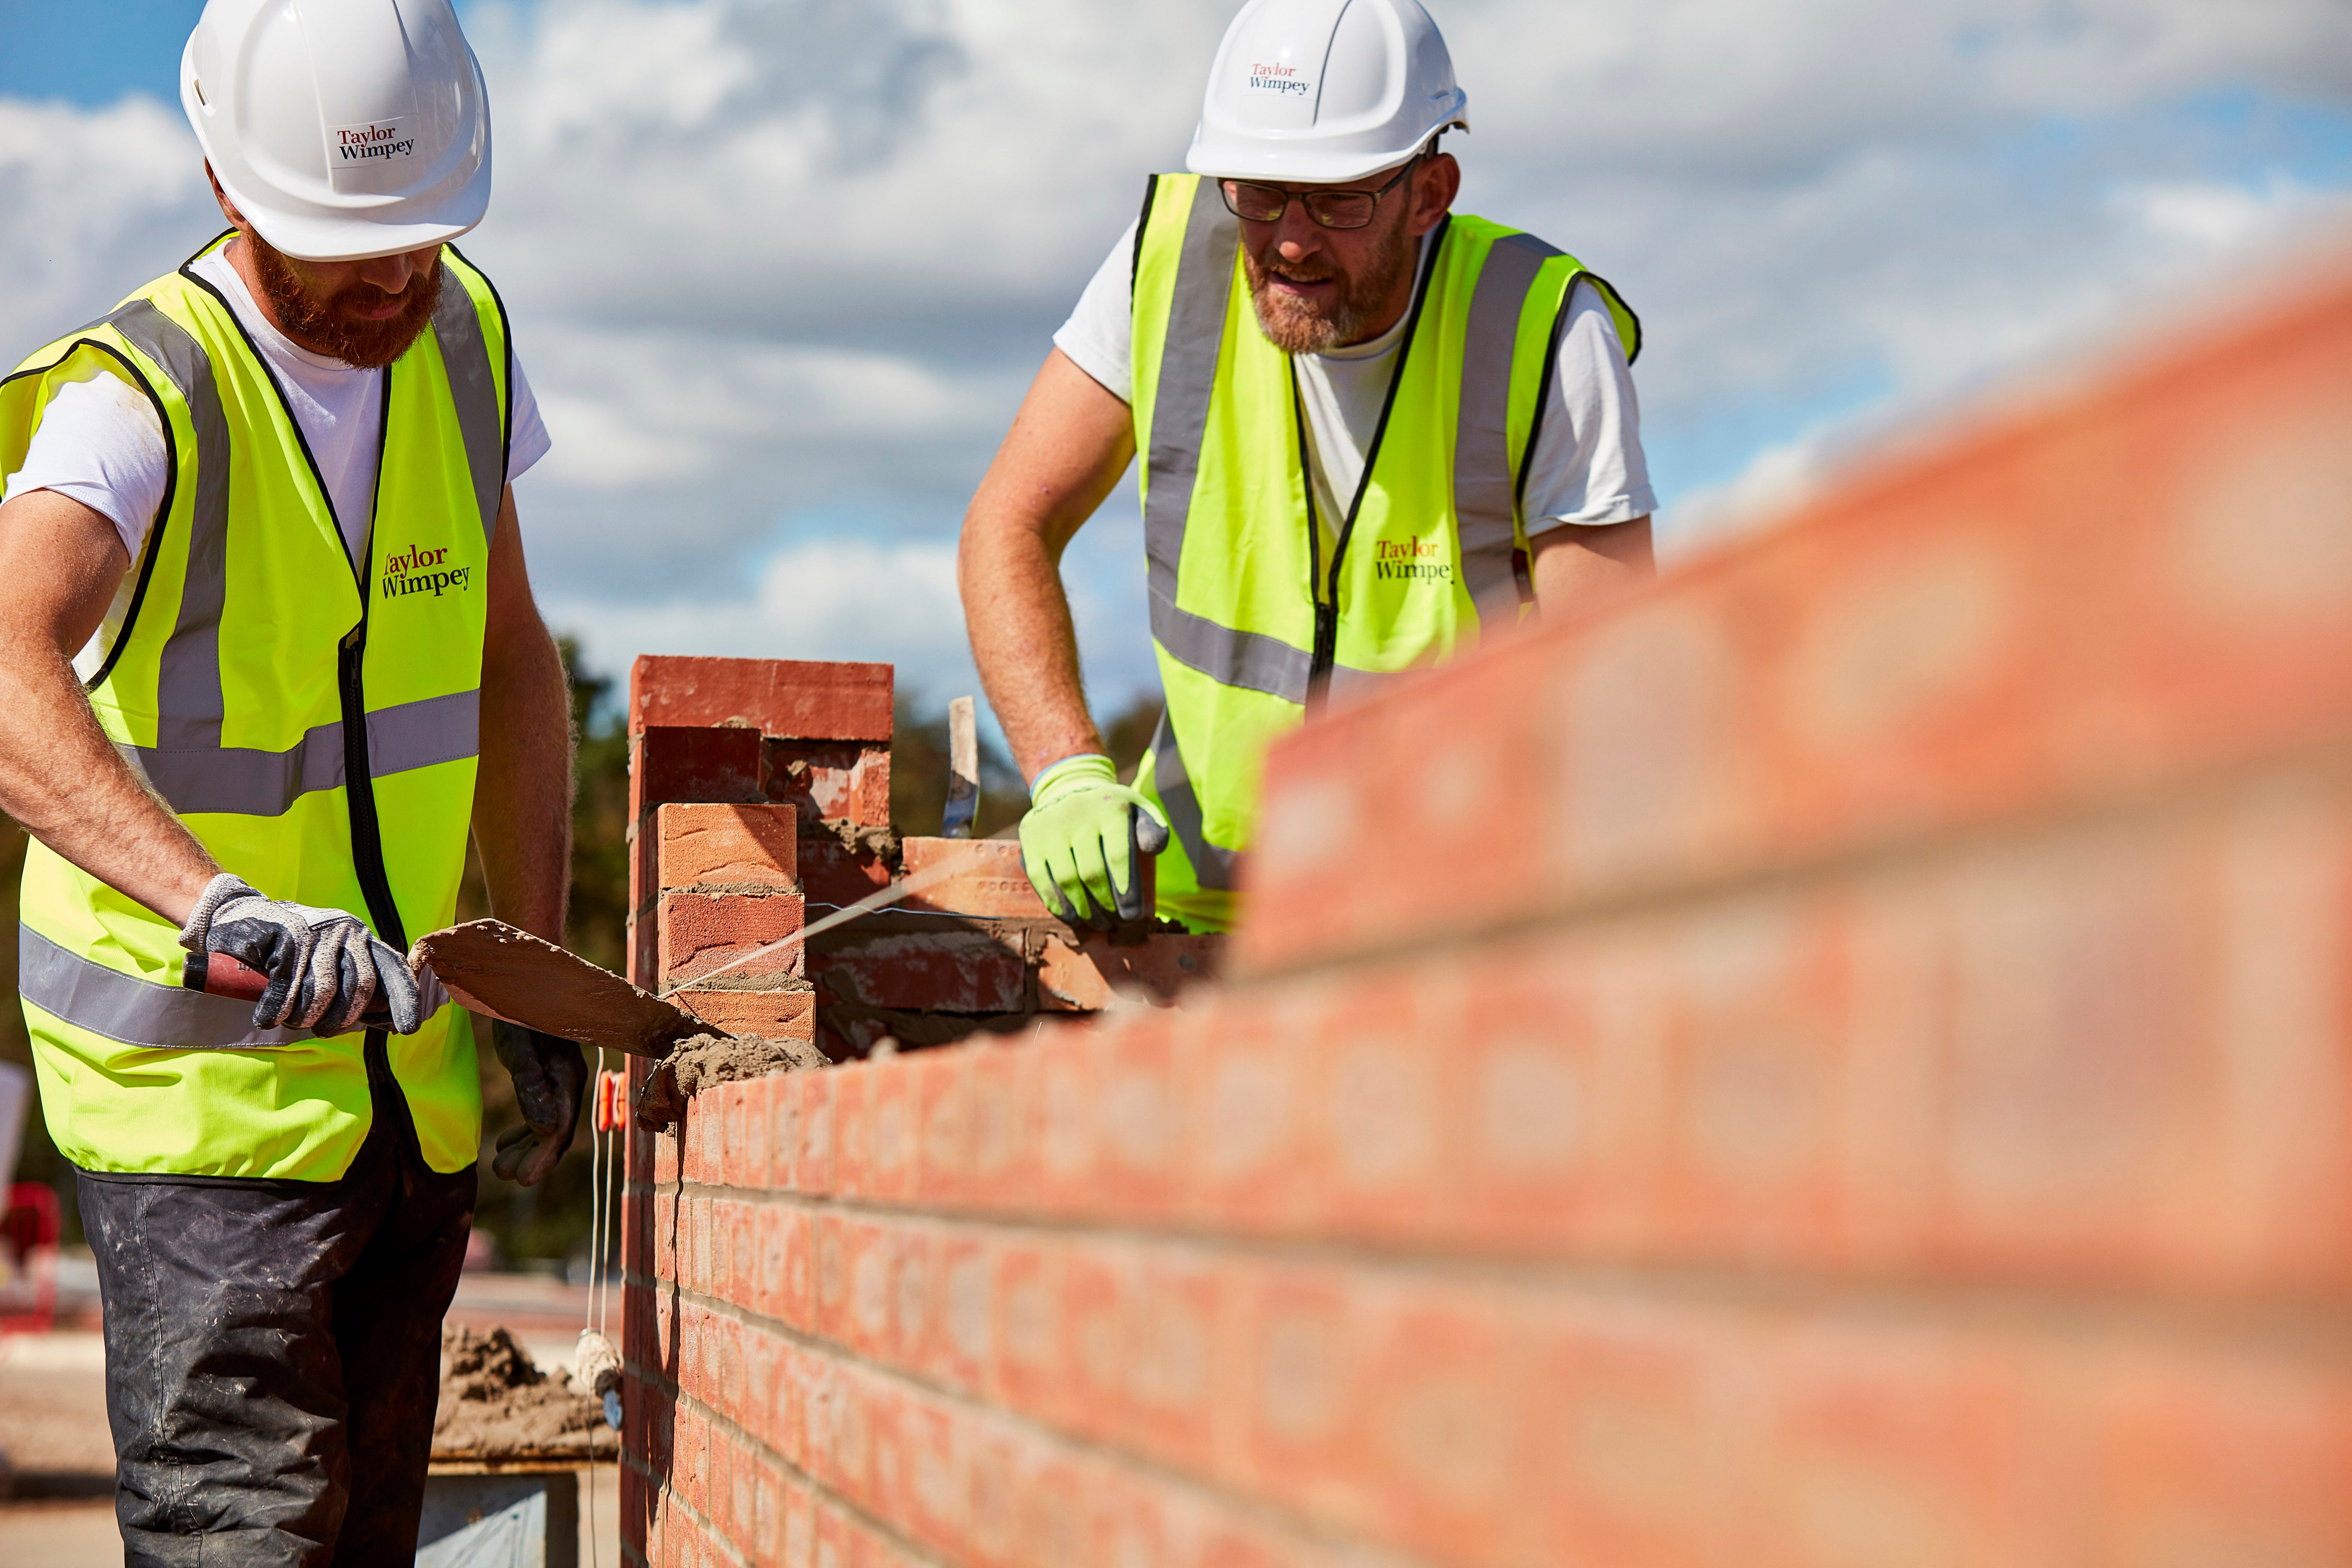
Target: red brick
point(959, 1345)
point(938, 1483)
point(700, 932)
point(1090, 977)
point(1180, 1337)
point(893, 1128)
point(937, 970)
point(772, 1014)
point(1100, 1285)
point(831, 782)
point(766, 1542)
point(735, 1126)
point(834, 876)
point(1062, 1120)
point(943, 1126)
point(808, 699)
point(853, 1128)
point(796, 1288)
point(670, 764)
point(978, 876)
point(1006, 1109)
point(741, 849)
point(812, 1171)
point(1033, 1367)
point(1142, 1136)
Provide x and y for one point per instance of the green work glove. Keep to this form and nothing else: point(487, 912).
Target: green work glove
point(1080, 839)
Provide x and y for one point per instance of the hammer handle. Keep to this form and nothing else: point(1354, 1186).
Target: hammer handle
point(224, 976)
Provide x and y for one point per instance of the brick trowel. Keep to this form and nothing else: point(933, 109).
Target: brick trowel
point(506, 973)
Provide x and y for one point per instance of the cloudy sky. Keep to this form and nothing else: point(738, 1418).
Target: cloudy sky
point(780, 269)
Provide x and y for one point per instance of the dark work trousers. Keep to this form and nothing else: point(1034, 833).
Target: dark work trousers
point(273, 1353)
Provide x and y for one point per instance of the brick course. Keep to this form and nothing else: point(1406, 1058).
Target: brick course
point(1840, 1060)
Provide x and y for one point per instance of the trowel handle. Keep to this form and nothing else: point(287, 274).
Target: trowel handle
point(224, 976)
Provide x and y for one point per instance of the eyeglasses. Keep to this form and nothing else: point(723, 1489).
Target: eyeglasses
point(1253, 203)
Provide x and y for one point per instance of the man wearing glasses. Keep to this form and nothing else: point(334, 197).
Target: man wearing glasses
point(1373, 432)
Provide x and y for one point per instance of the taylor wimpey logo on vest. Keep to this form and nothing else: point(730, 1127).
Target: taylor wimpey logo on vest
point(1277, 78)
point(377, 139)
point(1413, 558)
point(423, 571)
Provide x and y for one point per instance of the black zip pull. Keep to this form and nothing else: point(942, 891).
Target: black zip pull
point(1326, 653)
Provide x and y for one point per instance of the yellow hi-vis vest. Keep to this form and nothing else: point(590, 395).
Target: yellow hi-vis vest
point(314, 724)
point(1247, 625)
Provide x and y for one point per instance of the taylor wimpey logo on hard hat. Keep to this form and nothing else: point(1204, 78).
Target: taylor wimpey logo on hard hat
point(423, 571)
point(1277, 78)
point(374, 139)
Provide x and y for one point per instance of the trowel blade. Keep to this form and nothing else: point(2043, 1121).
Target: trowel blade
point(506, 973)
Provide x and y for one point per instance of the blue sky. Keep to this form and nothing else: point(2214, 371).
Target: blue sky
point(781, 268)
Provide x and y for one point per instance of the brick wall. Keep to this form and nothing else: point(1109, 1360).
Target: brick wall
point(1839, 1063)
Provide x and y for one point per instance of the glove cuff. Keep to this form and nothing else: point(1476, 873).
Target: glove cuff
point(1085, 770)
point(217, 891)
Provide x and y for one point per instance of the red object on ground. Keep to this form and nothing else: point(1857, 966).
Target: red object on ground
point(28, 1240)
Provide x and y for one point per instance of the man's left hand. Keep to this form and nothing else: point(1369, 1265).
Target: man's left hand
point(549, 1075)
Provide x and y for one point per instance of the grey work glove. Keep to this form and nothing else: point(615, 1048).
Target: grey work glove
point(549, 1075)
point(326, 971)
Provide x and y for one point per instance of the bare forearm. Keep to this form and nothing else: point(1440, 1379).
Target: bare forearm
point(64, 780)
point(523, 791)
point(1066, 449)
point(1026, 647)
point(60, 776)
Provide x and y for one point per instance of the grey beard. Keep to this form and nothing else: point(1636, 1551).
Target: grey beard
point(1297, 329)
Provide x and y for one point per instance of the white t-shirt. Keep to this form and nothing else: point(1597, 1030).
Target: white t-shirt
point(1586, 467)
point(101, 442)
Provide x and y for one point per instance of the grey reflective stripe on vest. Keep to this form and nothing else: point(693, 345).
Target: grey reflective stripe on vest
point(1213, 866)
point(188, 684)
point(474, 390)
point(131, 1011)
point(1252, 660)
point(1485, 497)
point(1180, 423)
point(251, 783)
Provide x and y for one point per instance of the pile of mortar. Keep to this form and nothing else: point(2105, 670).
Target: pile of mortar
point(495, 1404)
point(706, 1060)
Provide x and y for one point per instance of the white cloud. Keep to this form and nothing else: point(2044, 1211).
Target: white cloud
point(2213, 215)
point(97, 202)
point(773, 261)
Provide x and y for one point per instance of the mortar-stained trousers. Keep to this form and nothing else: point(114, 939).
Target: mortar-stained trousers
point(273, 1353)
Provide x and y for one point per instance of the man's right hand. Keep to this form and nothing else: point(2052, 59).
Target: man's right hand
point(1080, 838)
point(325, 969)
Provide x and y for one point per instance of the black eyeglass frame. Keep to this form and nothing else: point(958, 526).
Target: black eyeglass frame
point(1310, 198)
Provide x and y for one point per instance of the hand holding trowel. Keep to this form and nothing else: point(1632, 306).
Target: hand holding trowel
point(496, 969)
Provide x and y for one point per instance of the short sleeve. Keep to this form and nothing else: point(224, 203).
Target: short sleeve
point(529, 441)
point(1099, 336)
point(101, 442)
point(1588, 467)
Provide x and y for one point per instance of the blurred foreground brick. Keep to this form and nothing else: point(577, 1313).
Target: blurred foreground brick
point(1840, 1062)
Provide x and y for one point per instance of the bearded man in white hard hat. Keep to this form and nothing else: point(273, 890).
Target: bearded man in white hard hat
point(1373, 432)
point(267, 652)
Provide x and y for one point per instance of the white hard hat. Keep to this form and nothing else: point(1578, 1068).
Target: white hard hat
point(343, 129)
point(1324, 90)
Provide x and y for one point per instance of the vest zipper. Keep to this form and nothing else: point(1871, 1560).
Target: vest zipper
point(359, 788)
point(1325, 656)
point(359, 783)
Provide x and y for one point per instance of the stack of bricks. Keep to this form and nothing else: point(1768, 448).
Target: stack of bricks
point(1844, 1060)
point(745, 777)
point(765, 785)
